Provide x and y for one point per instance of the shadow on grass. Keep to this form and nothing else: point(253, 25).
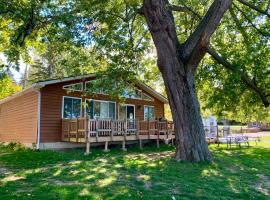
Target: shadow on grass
point(136, 174)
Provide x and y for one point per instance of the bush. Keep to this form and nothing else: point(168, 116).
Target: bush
point(13, 146)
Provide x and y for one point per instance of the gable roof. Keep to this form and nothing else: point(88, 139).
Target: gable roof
point(41, 84)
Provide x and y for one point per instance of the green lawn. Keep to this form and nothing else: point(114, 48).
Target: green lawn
point(148, 174)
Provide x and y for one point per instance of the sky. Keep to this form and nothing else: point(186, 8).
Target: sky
point(17, 75)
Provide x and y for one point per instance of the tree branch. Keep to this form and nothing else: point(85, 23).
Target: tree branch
point(194, 48)
point(265, 34)
point(178, 8)
point(26, 29)
point(240, 28)
point(184, 8)
point(254, 8)
point(250, 83)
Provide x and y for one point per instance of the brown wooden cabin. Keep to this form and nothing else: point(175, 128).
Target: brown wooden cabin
point(58, 114)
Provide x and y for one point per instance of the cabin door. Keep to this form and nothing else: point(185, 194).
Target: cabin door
point(127, 112)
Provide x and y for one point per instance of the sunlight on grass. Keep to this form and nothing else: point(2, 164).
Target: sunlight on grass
point(237, 173)
point(210, 172)
point(11, 178)
point(84, 192)
point(57, 173)
point(107, 181)
point(143, 177)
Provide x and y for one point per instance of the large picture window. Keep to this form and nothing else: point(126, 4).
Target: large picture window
point(100, 109)
point(149, 112)
point(72, 107)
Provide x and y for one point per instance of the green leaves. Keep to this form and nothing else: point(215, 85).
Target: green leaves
point(7, 86)
point(65, 38)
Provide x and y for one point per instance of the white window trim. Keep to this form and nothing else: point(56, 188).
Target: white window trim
point(63, 105)
point(126, 109)
point(85, 114)
point(81, 83)
point(143, 93)
point(144, 111)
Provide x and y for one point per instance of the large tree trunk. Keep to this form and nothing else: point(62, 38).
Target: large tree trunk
point(179, 82)
point(177, 64)
point(190, 137)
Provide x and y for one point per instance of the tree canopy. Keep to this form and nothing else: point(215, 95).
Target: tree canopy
point(70, 37)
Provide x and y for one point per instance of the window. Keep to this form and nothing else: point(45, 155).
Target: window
point(100, 109)
point(126, 112)
point(72, 107)
point(147, 97)
point(74, 87)
point(149, 112)
point(91, 87)
point(133, 93)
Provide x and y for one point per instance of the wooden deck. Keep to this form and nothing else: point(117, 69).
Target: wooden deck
point(103, 131)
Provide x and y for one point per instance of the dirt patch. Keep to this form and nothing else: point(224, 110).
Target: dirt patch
point(147, 185)
point(160, 155)
point(65, 183)
point(263, 185)
point(24, 191)
point(4, 171)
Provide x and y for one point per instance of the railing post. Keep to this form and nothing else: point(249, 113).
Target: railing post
point(124, 138)
point(137, 128)
point(156, 129)
point(111, 123)
point(87, 131)
point(96, 124)
point(125, 129)
point(77, 126)
point(217, 133)
point(69, 129)
point(148, 129)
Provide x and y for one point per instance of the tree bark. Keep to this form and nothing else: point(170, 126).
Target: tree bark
point(177, 64)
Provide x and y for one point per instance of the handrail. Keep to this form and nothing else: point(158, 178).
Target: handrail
point(83, 128)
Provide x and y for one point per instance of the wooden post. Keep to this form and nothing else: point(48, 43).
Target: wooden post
point(217, 133)
point(124, 145)
point(97, 129)
point(112, 130)
point(157, 128)
point(77, 132)
point(69, 130)
point(87, 152)
point(106, 147)
point(125, 131)
point(137, 129)
point(125, 137)
point(141, 145)
point(87, 138)
point(148, 129)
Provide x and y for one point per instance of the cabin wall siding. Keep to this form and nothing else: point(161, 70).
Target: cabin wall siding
point(51, 109)
point(19, 118)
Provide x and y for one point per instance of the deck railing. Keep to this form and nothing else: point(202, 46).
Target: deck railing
point(78, 130)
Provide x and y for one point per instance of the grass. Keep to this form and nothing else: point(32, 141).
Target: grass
point(148, 174)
